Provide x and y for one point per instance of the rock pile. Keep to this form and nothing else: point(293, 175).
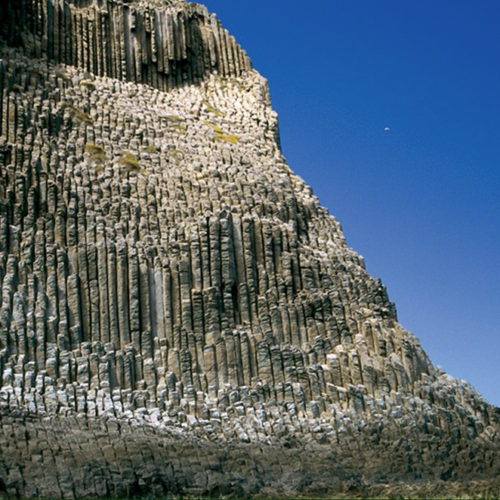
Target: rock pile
point(178, 314)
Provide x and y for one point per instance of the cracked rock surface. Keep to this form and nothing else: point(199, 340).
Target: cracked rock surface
point(179, 316)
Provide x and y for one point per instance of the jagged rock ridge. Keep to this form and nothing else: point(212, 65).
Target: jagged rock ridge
point(173, 294)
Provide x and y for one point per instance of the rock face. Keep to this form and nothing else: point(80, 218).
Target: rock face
point(178, 314)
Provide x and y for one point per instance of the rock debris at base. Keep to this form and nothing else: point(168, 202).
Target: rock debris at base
point(179, 316)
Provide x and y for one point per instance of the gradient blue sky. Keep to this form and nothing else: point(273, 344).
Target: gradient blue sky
point(421, 202)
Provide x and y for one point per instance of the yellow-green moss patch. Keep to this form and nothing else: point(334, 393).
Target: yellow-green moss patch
point(214, 127)
point(96, 152)
point(78, 114)
point(177, 155)
point(232, 139)
point(174, 118)
point(87, 84)
point(210, 109)
point(130, 161)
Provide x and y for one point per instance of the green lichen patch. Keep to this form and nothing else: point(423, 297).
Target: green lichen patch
point(130, 161)
point(214, 127)
point(97, 153)
point(220, 135)
point(87, 84)
point(175, 125)
point(174, 118)
point(78, 114)
point(177, 155)
point(210, 109)
point(229, 138)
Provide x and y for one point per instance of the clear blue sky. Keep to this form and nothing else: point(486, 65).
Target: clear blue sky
point(421, 201)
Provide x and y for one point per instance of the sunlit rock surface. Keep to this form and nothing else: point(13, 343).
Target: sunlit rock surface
point(178, 313)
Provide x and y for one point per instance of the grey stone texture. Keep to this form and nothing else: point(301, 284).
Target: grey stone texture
point(179, 316)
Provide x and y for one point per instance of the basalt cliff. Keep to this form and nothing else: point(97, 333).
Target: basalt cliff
point(179, 316)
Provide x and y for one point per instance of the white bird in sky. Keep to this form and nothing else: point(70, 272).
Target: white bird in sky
point(386, 129)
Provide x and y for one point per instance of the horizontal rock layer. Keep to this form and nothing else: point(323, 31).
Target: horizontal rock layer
point(65, 456)
point(166, 278)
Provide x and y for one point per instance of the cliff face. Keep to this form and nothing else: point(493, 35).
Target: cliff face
point(163, 44)
point(179, 315)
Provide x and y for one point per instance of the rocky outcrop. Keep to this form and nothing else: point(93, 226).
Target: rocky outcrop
point(163, 44)
point(179, 315)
